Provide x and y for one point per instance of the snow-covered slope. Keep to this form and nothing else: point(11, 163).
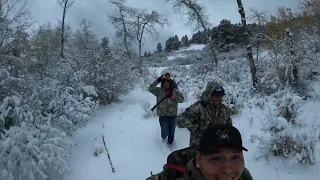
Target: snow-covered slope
point(135, 145)
point(181, 53)
point(194, 47)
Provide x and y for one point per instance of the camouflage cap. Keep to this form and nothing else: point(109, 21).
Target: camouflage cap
point(218, 90)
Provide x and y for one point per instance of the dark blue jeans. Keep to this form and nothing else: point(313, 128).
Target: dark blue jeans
point(168, 126)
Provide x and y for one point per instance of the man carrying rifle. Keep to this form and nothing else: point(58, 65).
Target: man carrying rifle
point(167, 109)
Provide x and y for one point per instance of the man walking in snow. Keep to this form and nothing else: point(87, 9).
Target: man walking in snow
point(168, 108)
point(208, 111)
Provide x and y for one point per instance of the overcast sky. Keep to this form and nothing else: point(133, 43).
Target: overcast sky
point(96, 11)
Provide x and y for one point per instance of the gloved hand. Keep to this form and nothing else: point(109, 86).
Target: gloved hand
point(160, 79)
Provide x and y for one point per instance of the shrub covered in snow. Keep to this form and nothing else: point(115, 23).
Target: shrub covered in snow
point(32, 146)
point(289, 64)
point(146, 106)
point(285, 136)
point(289, 141)
point(44, 103)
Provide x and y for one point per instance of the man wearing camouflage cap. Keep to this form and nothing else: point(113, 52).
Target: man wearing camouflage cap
point(208, 111)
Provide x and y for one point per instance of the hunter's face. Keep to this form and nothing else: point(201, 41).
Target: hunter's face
point(217, 99)
point(167, 77)
point(226, 164)
point(166, 84)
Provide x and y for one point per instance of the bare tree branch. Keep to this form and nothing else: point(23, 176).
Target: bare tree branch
point(122, 21)
point(261, 19)
point(147, 23)
point(13, 21)
point(196, 15)
point(66, 5)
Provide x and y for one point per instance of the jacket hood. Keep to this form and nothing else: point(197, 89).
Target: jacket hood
point(206, 96)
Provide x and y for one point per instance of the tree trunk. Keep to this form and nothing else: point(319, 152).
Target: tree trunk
point(139, 39)
point(62, 29)
point(125, 32)
point(140, 57)
point(258, 43)
point(1, 9)
point(249, 48)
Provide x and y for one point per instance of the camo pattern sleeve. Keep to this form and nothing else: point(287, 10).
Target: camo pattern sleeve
point(189, 118)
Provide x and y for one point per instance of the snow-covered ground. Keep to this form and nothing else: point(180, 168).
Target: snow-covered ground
point(177, 55)
point(194, 47)
point(135, 145)
point(180, 53)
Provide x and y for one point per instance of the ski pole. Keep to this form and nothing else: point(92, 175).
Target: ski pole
point(108, 154)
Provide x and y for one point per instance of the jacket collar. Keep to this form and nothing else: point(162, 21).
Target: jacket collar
point(193, 173)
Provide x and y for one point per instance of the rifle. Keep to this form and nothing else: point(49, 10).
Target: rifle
point(154, 107)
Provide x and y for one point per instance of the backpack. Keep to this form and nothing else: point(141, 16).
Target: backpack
point(177, 163)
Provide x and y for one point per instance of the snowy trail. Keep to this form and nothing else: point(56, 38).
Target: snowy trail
point(134, 143)
point(136, 148)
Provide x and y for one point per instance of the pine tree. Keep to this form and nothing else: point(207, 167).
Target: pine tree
point(184, 41)
point(169, 44)
point(159, 47)
point(176, 42)
point(105, 45)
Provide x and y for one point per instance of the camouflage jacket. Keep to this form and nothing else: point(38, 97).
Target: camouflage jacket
point(169, 106)
point(202, 114)
point(184, 158)
point(194, 173)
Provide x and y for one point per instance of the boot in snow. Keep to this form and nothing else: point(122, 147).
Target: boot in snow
point(170, 139)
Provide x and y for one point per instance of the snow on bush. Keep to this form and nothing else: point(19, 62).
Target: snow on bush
point(36, 117)
point(289, 141)
point(284, 135)
point(10, 85)
point(45, 99)
point(10, 112)
point(71, 111)
point(288, 64)
point(31, 147)
point(112, 78)
point(146, 106)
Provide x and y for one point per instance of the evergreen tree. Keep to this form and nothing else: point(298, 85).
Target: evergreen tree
point(169, 44)
point(159, 47)
point(176, 42)
point(105, 45)
point(184, 41)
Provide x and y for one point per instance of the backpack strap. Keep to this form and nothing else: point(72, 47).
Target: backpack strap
point(203, 104)
point(176, 167)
